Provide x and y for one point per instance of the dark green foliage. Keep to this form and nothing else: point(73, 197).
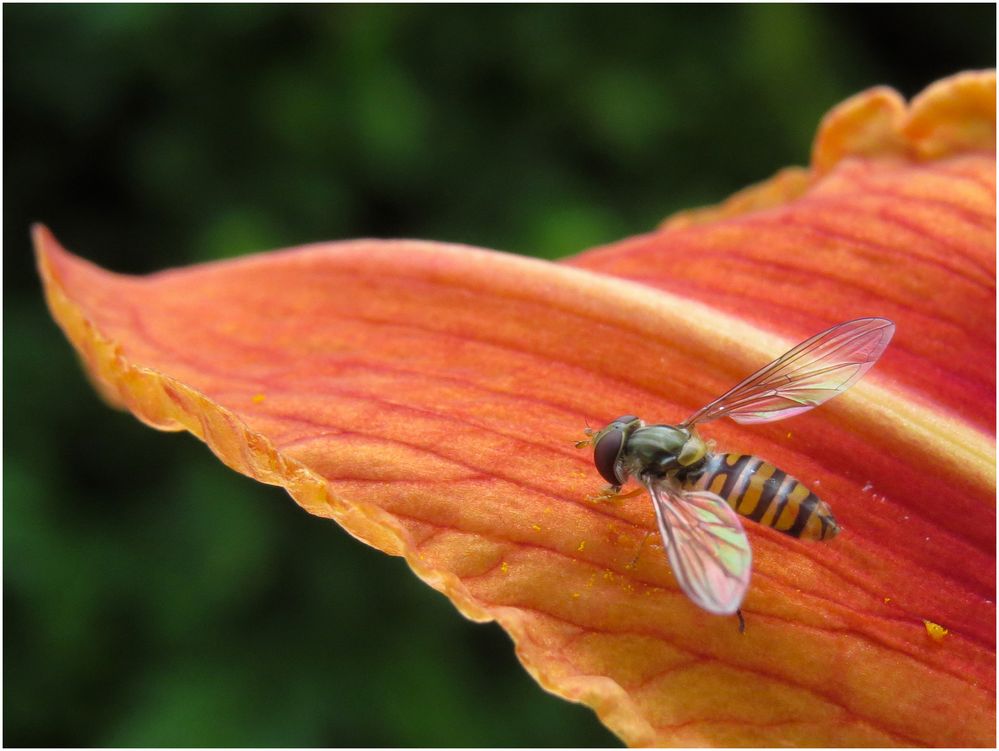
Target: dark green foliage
point(153, 597)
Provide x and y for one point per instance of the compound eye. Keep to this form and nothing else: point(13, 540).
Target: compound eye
point(606, 452)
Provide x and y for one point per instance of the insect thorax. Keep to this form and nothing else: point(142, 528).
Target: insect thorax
point(659, 450)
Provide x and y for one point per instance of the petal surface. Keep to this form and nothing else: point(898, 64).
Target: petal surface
point(427, 398)
point(895, 218)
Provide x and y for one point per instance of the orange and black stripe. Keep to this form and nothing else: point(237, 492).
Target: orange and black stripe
point(759, 491)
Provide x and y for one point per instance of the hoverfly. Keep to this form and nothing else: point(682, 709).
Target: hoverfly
point(698, 494)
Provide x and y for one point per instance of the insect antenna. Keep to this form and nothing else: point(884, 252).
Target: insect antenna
point(589, 433)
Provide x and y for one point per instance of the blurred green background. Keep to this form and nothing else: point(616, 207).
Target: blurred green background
point(154, 597)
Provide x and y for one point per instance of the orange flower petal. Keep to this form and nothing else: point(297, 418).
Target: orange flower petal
point(427, 397)
point(954, 116)
point(896, 218)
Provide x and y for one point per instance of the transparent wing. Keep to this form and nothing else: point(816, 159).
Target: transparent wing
point(813, 372)
point(707, 547)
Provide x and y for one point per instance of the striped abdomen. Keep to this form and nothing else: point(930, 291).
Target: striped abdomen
point(759, 491)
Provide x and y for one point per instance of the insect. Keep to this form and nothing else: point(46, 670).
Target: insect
point(698, 494)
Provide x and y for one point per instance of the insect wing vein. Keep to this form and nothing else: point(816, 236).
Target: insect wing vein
point(804, 377)
point(706, 544)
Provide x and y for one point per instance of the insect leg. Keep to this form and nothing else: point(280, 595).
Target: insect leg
point(742, 621)
point(613, 493)
point(608, 493)
point(640, 546)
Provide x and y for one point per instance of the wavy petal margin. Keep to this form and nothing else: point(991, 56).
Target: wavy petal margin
point(896, 217)
point(427, 396)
